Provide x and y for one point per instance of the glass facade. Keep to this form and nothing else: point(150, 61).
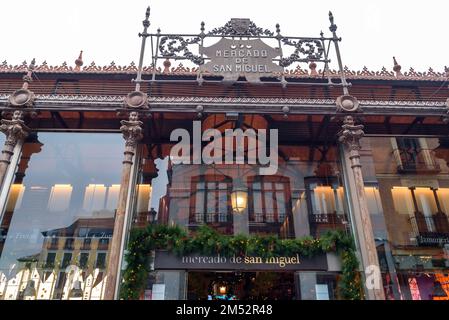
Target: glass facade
point(304, 197)
point(59, 217)
point(407, 184)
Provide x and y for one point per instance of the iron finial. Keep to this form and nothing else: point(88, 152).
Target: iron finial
point(278, 28)
point(79, 61)
point(146, 22)
point(32, 64)
point(397, 67)
point(333, 26)
point(312, 66)
point(167, 65)
point(202, 26)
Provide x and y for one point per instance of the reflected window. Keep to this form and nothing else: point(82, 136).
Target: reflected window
point(270, 200)
point(83, 259)
point(413, 155)
point(270, 209)
point(325, 204)
point(101, 260)
point(50, 261)
point(424, 208)
point(211, 200)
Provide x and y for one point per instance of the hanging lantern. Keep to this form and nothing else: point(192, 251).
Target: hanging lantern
point(239, 197)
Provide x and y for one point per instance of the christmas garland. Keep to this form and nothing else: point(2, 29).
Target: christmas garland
point(207, 241)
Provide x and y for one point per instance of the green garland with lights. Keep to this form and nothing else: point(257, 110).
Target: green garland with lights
point(207, 241)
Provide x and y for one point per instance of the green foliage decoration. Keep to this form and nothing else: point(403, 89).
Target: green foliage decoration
point(207, 241)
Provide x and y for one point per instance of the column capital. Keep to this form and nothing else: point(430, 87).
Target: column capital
point(351, 134)
point(132, 129)
point(14, 129)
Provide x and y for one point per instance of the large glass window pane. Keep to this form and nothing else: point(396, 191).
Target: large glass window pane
point(62, 201)
point(408, 207)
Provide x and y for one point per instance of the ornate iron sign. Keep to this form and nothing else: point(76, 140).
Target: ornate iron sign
point(241, 49)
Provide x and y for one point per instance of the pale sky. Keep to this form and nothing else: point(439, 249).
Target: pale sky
point(372, 32)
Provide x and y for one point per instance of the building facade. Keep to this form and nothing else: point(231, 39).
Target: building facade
point(92, 153)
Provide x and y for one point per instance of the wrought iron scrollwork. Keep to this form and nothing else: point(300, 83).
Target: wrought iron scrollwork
point(176, 46)
point(310, 50)
point(241, 28)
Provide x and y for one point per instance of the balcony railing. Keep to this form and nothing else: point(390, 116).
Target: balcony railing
point(267, 218)
point(430, 230)
point(322, 222)
point(435, 223)
point(327, 218)
point(416, 160)
point(200, 218)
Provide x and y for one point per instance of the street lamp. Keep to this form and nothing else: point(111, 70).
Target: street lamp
point(239, 196)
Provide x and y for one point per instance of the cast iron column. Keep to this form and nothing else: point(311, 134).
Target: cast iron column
point(350, 136)
point(132, 133)
point(15, 129)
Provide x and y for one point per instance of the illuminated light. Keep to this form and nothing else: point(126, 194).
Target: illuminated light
point(443, 197)
point(94, 197)
point(15, 197)
point(402, 200)
point(222, 289)
point(113, 193)
point(239, 200)
point(60, 197)
point(143, 197)
point(324, 199)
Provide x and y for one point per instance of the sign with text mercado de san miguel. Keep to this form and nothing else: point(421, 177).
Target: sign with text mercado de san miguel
point(169, 261)
point(234, 58)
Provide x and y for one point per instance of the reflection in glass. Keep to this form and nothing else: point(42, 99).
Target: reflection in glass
point(59, 217)
point(411, 175)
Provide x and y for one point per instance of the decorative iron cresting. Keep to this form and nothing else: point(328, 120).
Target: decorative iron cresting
point(248, 63)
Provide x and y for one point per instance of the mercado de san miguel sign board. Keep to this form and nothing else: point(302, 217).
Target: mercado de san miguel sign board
point(232, 59)
point(168, 261)
point(239, 50)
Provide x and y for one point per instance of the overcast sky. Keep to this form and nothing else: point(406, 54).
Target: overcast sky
point(416, 32)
